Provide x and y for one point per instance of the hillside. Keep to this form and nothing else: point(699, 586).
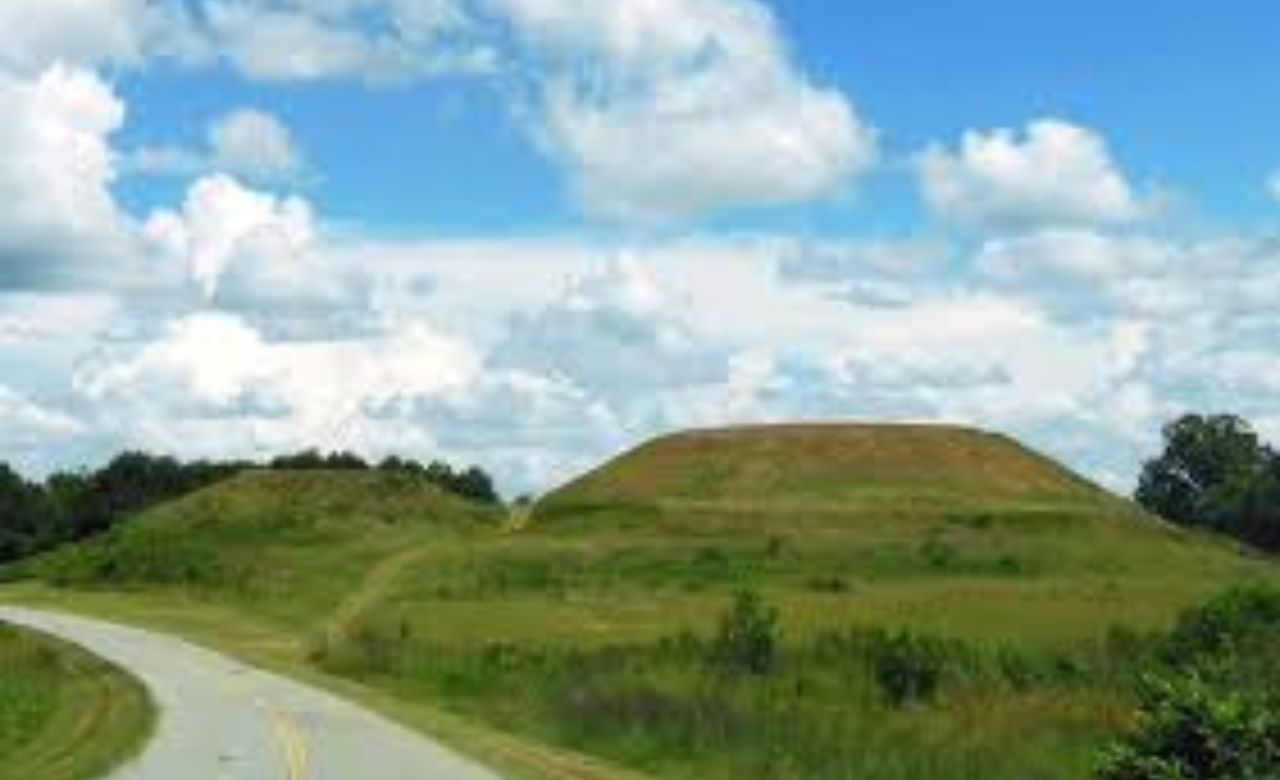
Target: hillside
point(831, 464)
point(292, 543)
point(587, 625)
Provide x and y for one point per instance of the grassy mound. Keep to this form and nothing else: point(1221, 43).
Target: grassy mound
point(825, 465)
point(63, 714)
point(947, 528)
point(296, 543)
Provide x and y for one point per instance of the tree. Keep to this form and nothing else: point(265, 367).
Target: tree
point(1213, 473)
point(476, 485)
point(23, 515)
point(1259, 509)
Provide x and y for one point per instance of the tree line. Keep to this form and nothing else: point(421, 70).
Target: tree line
point(69, 506)
point(1216, 473)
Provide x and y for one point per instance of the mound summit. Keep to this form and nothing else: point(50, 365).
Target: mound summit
point(828, 463)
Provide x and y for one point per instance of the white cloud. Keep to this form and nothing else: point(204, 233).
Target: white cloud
point(21, 416)
point(44, 319)
point(245, 142)
point(59, 219)
point(668, 109)
point(303, 41)
point(222, 222)
point(213, 370)
point(253, 143)
point(1273, 186)
point(32, 433)
point(36, 34)
point(1071, 253)
point(1053, 172)
point(588, 353)
point(616, 333)
point(656, 109)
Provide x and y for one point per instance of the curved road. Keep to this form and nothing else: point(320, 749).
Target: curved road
point(223, 720)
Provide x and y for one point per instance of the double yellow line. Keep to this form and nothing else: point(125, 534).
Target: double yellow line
point(292, 743)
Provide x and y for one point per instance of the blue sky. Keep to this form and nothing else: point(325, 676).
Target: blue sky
point(528, 233)
point(1181, 91)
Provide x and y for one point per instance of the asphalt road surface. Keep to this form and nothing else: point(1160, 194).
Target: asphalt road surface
point(222, 720)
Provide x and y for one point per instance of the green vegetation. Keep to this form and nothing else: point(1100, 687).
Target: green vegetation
point(793, 602)
point(73, 506)
point(291, 544)
point(1210, 698)
point(1215, 473)
point(63, 714)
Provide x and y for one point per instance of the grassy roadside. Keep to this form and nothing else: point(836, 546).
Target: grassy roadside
point(272, 648)
point(65, 715)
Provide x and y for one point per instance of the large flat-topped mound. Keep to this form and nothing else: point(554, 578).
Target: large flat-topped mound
point(829, 462)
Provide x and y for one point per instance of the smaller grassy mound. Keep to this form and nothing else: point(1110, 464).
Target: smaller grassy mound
point(297, 543)
point(64, 715)
point(824, 464)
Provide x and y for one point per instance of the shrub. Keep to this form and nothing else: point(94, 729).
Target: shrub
point(907, 667)
point(748, 637)
point(1211, 708)
point(1191, 729)
point(1229, 623)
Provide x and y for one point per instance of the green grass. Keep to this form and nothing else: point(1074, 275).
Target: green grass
point(540, 642)
point(63, 714)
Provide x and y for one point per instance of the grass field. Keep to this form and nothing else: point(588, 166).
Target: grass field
point(588, 627)
point(63, 714)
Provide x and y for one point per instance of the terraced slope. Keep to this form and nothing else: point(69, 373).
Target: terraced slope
point(831, 464)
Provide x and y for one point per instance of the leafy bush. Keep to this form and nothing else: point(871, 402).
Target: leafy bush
point(1230, 623)
point(748, 636)
point(908, 667)
point(1211, 707)
point(1191, 729)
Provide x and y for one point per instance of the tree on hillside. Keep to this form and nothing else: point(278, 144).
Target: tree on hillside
point(1215, 473)
point(23, 515)
point(1259, 509)
point(475, 484)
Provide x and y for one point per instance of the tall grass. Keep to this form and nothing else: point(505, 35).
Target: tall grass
point(856, 703)
point(63, 714)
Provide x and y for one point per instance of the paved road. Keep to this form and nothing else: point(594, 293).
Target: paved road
point(222, 720)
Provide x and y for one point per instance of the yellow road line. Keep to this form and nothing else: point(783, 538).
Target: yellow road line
point(292, 743)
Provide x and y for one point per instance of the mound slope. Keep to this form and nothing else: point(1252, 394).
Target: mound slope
point(832, 463)
point(301, 540)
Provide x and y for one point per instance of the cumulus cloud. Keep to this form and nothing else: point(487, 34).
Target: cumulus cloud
point(671, 109)
point(36, 34)
point(1052, 172)
point(656, 111)
point(212, 371)
point(222, 223)
point(254, 143)
point(59, 221)
point(616, 333)
point(246, 142)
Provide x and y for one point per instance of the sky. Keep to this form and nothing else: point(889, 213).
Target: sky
point(531, 233)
